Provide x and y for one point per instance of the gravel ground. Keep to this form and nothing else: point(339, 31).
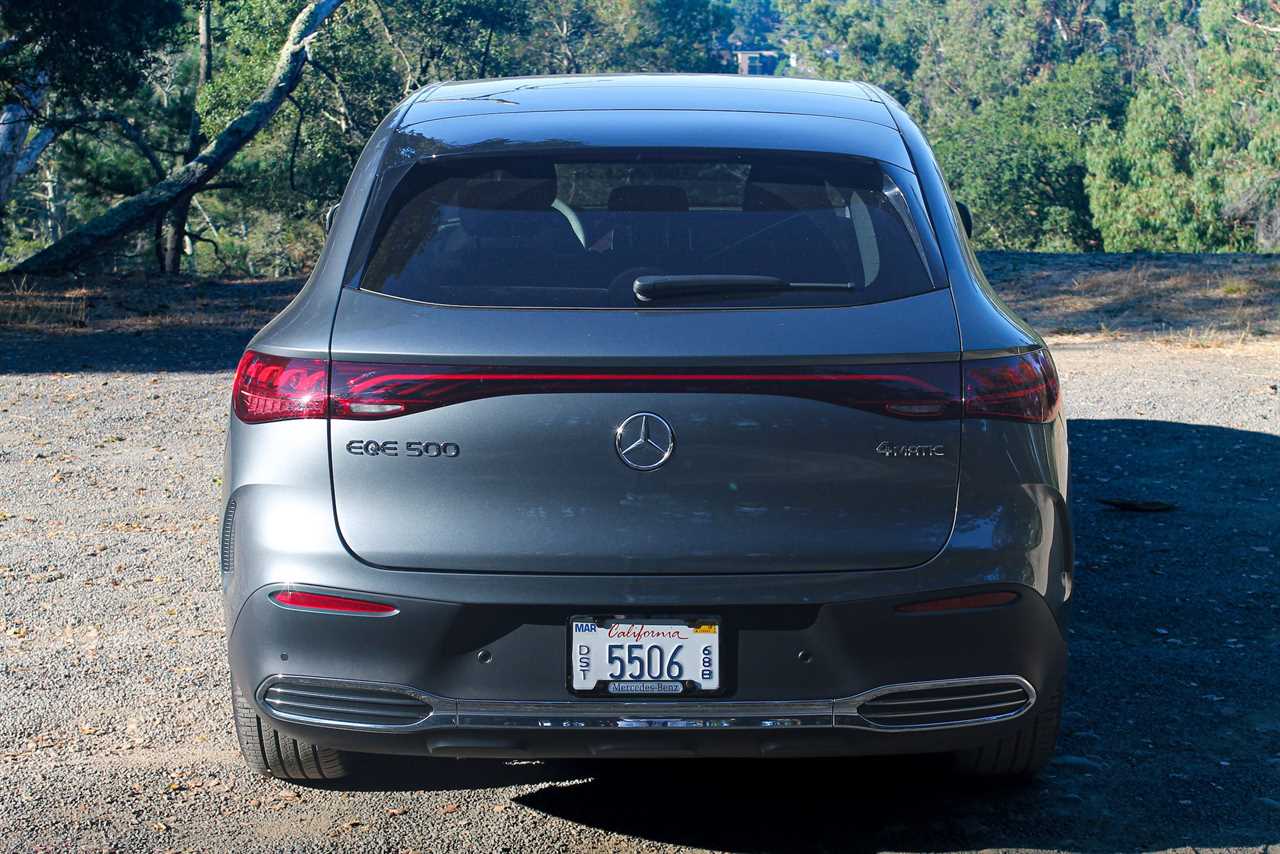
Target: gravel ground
point(115, 731)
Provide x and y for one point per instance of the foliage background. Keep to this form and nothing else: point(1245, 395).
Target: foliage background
point(1067, 125)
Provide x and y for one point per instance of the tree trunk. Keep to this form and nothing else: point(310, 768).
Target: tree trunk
point(15, 125)
point(137, 211)
point(55, 206)
point(176, 236)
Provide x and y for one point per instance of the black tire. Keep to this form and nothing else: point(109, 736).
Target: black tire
point(1018, 757)
point(269, 751)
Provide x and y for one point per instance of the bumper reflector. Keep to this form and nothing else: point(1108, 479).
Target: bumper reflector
point(959, 603)
point(333, 604)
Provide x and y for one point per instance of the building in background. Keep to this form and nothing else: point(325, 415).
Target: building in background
point(765, 61)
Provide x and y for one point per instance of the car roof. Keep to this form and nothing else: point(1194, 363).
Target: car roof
point(518, 115)
point(683, 92)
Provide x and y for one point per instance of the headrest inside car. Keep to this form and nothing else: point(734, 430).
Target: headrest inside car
point(510, 194)
point(774, 187)
point(648, 197)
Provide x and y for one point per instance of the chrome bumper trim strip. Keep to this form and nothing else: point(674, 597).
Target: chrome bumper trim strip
point(441, 713)
point(843, 713)
point(847, 710)
point(645, 714)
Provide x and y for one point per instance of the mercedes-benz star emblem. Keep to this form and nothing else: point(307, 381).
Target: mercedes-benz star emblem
point(644, 441)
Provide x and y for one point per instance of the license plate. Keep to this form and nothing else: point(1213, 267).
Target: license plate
point(633, 657)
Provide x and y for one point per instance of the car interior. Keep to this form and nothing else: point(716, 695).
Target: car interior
point(572, 234)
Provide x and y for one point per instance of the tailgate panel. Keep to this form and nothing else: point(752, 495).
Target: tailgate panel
point(765, 476)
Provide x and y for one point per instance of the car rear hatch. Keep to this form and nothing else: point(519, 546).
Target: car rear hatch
point(506, 398)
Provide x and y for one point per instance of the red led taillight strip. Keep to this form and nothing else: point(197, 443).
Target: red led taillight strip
point(276, 388)
point(369, 391)
point(1012, 388)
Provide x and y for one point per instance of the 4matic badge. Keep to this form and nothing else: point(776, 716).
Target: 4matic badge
point(392, 448)
point(885, 449)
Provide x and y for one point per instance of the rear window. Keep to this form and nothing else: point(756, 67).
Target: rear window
point(576, 230)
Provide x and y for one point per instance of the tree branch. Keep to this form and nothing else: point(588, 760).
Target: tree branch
point(136, 211)
point(16, 118)
point(195, 202)
point(128, 130)
point(42, 140)
point(13, 44)
point(198, 237)
point(297, 137)
point(409, 77)
point(348, 119)
point(1256, 24)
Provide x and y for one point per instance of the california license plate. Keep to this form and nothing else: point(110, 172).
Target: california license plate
point(634, 657)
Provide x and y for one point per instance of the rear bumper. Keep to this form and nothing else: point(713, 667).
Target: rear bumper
point(493, 677)
point(478, 729)
point(489, 650)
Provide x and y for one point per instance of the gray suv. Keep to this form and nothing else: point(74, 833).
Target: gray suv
point(646, 416)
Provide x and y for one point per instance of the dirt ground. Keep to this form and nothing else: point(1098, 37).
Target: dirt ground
point(115, 729)
point(1192, 299)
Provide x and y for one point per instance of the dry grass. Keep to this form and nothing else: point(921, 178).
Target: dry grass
point(137, 302)
point(23, 305)
point(1197, 300)
point(1212, 338)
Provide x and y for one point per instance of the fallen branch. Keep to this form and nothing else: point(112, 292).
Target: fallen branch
point(1256, 24)
point(137, 211)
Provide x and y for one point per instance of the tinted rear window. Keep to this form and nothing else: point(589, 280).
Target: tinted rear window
point(575, 230)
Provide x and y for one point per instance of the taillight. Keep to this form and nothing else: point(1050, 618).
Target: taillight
point(1015, 388)
point(371, 390)
point(275, 388)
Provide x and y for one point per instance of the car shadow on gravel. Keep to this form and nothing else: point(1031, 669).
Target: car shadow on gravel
point(1171, 731)
point(898, 803)
point(1171, 734)
point(421, 774)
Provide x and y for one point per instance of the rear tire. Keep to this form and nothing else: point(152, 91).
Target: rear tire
point(274, 754)
point(1018, 757)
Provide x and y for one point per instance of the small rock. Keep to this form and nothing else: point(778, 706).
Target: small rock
point(1139, 506)
point(1077, 762)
